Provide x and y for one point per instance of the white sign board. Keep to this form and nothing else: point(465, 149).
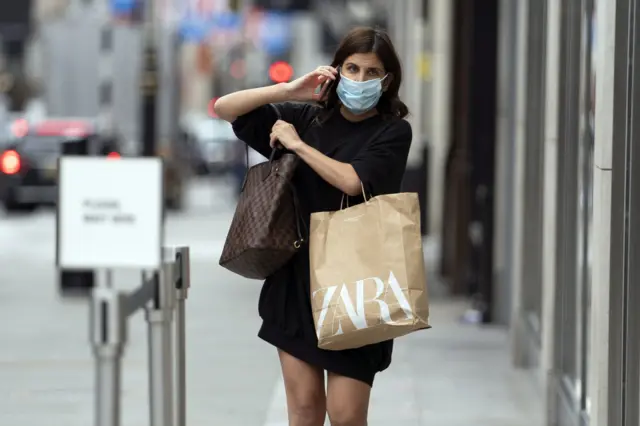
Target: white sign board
point(110, 213)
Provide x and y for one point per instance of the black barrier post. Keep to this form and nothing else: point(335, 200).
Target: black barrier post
point(15, 27)
point(83, 280)
point(149, 89)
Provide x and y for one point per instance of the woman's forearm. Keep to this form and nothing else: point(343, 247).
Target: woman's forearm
point(233, 105)
point(340, 175)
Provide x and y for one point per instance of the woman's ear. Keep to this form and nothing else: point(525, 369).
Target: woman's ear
point(387, 82)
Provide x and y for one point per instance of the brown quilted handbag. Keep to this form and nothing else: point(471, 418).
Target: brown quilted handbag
point(266, 228)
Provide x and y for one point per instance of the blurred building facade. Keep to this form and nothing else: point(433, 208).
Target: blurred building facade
point(539, 214)
point(76, 49)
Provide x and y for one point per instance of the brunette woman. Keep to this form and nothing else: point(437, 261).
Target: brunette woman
point(352, 135)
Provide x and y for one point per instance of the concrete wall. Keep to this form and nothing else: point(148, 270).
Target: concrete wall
point(440, 24)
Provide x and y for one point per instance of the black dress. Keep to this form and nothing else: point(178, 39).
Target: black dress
point(377, 148)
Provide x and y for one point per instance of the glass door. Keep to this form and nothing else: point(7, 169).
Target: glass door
point(584, 217)
point(533, 174)
point(630, 276)
point(623, 394)
point(632, 287)
point(574, 203)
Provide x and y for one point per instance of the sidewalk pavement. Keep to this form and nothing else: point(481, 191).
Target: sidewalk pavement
point(455, 374)
point(452, 375)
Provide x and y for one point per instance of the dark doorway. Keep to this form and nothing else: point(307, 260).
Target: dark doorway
point(467, 234)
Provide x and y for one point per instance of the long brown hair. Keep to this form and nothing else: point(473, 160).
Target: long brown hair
point(370, 40)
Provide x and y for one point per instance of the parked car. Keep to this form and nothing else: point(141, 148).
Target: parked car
point(29, 160)
point(210, 144)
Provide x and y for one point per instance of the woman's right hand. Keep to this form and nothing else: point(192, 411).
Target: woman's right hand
point(303, 89)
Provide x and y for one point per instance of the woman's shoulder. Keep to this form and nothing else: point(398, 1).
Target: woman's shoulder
point(397, 126)
point(392, 129)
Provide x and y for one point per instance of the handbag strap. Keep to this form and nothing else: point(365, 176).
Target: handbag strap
point(273, 150)
point(246, 149)
point(300, 223)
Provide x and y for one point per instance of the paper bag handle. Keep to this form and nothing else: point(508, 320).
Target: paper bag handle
point(345, 196)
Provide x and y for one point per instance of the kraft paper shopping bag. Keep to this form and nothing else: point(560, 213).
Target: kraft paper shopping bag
point(368, 280)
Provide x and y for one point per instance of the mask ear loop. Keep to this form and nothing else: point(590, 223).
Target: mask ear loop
point(382, 81)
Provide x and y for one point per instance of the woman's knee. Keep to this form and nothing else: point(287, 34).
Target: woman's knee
point(306, 403)
point(307, 413)
point(343, 414)
point(347, 401)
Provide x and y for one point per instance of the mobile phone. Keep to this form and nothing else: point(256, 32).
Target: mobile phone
point(321, 87)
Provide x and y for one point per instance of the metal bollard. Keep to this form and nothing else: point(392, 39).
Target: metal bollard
point(182, 285)
point(159, 294)
point(159, 318)
point(108, 336)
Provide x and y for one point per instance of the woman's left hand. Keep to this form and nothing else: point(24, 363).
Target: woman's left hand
point(283, 133)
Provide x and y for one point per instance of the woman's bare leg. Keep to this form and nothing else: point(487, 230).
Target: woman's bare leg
point(347, 401)
point(304, 384)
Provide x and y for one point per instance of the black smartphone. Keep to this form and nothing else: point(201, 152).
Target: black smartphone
point(321, 87)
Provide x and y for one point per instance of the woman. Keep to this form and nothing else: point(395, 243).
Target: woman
point(355, 138)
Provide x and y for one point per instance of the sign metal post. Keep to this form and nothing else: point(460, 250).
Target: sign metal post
point(110, 215)
point(159, 319)
point(108, 336)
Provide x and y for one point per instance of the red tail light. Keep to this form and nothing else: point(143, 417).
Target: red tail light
point(113, 155)
point(10, 162)
point(280, 72)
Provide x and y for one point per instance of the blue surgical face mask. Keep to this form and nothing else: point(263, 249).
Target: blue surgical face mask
point(359, 96)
